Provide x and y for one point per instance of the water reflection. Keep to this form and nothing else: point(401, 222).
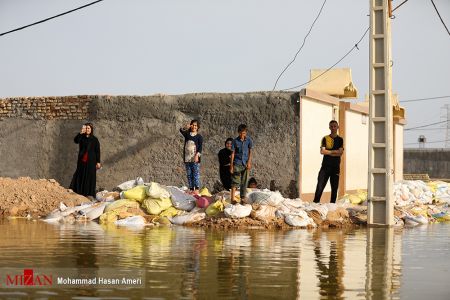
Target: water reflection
point(193, 263)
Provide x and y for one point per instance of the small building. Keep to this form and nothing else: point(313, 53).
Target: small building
point(324, 99)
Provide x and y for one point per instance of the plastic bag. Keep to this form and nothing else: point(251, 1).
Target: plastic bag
point(238, 211)
point(156, 191)
point(156, 206)
point(137, 193)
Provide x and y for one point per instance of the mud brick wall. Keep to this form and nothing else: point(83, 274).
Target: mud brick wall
point(139, 136)
point(46, 108)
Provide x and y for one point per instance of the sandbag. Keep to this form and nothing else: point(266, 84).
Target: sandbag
point(170, 212)
point(204, 192)
point(137, 193)
point(300, 219)
point(236, 211)
point(123, 202)
point(202, 202)
point(156, 191)
point(156, 206)
point(264, 213)
point(354, 199)
point(265, 197)
point(112, 215)
point(107, 196)
point(131, 221)
point(180, 199)
point(187, 218)
point(320, 208)
point(93, 212)
point(130, 184)
point(214, 208)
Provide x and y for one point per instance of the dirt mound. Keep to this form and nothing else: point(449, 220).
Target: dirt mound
point(227, 223)
point(23, 196)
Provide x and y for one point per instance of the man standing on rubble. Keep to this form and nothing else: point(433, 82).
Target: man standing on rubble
point(332, 147)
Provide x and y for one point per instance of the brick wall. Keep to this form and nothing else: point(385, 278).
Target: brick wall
point(46, 108)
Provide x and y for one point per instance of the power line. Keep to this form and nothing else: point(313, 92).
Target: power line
point(437, 11)
point(301, 47)
point(433, 142)
point(45, 20)
point(440, 128)
point(398, 6)
point(427, 125)
point(341, 59)
point(423, 99)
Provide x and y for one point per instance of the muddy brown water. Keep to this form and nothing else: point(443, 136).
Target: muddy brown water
point(193, 263)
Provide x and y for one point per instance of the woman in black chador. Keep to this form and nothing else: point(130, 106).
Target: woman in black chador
point(84, 179)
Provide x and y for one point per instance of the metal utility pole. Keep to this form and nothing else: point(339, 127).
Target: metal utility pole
point(381, 173)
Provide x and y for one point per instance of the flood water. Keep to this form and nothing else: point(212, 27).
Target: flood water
point(186, 263)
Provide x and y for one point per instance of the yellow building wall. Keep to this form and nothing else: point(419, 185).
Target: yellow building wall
point(314, 118)
point(398, 152)
point(356, 150)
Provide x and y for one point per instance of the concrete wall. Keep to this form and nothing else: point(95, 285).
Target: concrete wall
point(356, 150)
point(139, 137)
point(315, 116)
point(435, 162)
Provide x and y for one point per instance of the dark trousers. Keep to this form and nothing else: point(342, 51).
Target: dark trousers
point(325, 173)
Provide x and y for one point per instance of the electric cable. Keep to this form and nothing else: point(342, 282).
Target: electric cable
point(50, 18)
point(301, 47)
point(327, 70)
point(442, 21)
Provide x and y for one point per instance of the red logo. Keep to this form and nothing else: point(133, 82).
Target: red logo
point(28, 278)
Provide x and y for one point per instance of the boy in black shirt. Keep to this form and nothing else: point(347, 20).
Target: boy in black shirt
point(331, 148)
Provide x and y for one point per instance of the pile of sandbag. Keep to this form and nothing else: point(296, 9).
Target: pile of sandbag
point(416, 202)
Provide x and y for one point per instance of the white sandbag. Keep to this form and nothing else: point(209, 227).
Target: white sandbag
point(107, 196)
point(156, 191)
point(93, 212)
point(236, 211)
point(321, 208)
point(300, 219)
point(131, 184)
point(180, 199)
point(131, 221)
point(417, 219)
point(264, 213)
point(265, 197)
point(187, 218)
point(297, 203)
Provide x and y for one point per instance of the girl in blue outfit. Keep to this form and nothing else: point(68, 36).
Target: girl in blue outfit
point(192, 151)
